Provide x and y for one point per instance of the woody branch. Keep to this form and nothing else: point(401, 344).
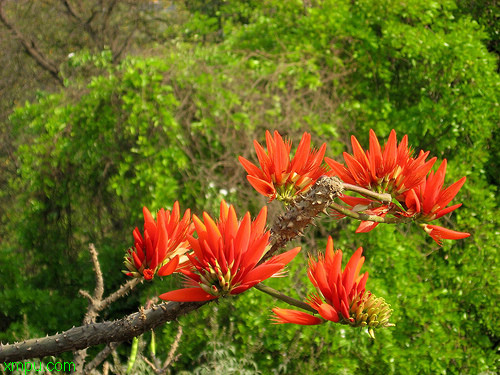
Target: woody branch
point(290, 225)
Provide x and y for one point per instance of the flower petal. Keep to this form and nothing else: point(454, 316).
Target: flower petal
point(170, 267)
point(328, 312)
point(187, 295)
point(295, 317)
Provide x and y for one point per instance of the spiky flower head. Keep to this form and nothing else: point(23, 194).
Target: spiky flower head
point(279, 177)
point(227, 256)
point(162, 250)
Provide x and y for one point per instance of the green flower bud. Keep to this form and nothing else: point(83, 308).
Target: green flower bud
point(371, 311)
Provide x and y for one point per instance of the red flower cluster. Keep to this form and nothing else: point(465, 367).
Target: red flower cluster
point(417, 192)
point(341, 294)
point(390, 169)
point(163, 247)
point(278, 176)
point(226, 256)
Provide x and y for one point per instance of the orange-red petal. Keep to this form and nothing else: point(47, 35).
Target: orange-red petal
point(170, 267)
point(187, 295)
point(295, 317)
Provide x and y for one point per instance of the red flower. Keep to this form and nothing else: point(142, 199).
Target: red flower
point(388, 170)
point(226, 256)
point(428, 201)
point(164, 245)
point(341, 294)
point(278, 177)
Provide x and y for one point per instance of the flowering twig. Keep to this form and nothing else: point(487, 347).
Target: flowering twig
point(283, 297)
point(382, 197)
point(291, 224)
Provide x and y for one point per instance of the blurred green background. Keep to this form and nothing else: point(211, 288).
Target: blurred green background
point(148, 102)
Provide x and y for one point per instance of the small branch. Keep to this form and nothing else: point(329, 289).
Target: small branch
point(96, 303)
point(365, 217)
point(70, 10)
point(283, 297)
point(151, 364)
point(30, 47)
point(99, 282)
point(382, 197)
point(124, 289)
point(173, 349)
point(154, 364)
point(125, 45)
point(107, 15)
point(100, 357)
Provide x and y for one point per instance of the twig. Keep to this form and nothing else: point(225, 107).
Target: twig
point(171, 355)
point(382, 197)
point(151, 364)
point(96, 303)
point(70, 10)
point(365, 217)
point(283, 297)
point(173, 349)
point(101, 356)
point(121, 292)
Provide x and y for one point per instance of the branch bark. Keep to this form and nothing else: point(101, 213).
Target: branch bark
point(78, 338)
point(302, 212)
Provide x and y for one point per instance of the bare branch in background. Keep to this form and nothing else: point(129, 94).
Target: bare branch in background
point(100, 357)
point(96, 303)
point(30, 47)
point(70, 10)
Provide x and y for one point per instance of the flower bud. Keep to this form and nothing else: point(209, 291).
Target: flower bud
point(369, 310)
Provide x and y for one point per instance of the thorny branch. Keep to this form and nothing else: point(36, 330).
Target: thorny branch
point(288, 226)
point(96, 303)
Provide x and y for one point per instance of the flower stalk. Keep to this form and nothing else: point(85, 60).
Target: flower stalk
point(283, 297)
point(382, 197)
